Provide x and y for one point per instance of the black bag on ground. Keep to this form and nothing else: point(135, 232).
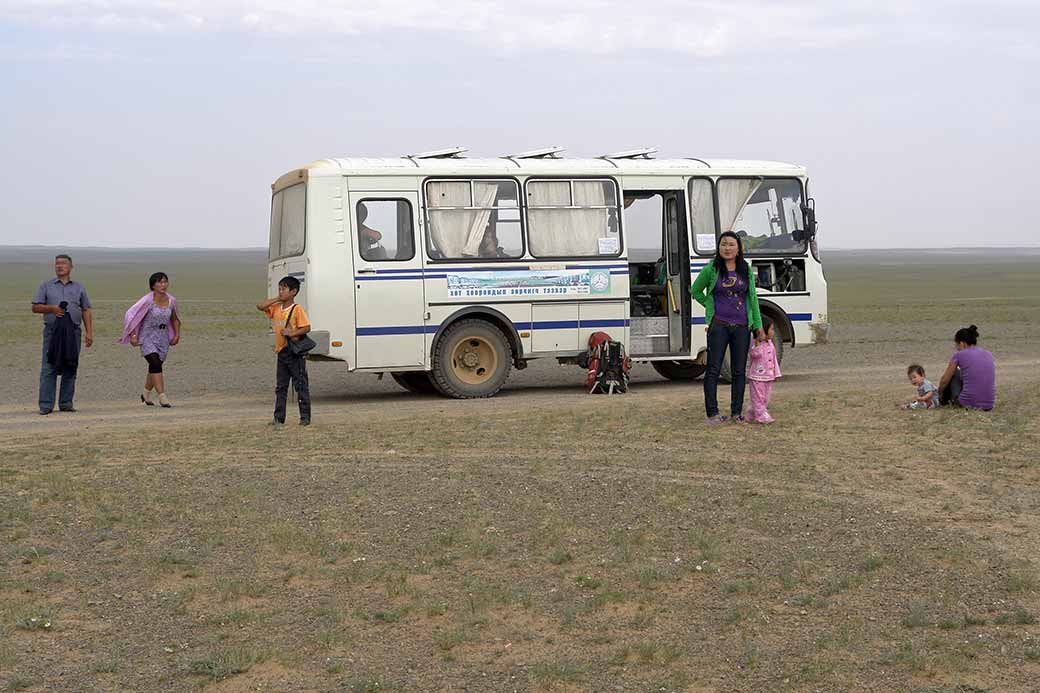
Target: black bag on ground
point(607, 365)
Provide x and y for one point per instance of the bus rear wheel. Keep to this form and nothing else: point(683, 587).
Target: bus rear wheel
point(471, 359)
point(679, 370)
point(415, 381)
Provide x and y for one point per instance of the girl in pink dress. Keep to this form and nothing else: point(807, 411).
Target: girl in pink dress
point(763, 369)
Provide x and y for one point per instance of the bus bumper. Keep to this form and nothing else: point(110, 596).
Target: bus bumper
point(820, 332)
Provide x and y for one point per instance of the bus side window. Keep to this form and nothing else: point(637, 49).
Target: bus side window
point(384, 228)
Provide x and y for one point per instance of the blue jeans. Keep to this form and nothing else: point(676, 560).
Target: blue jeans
point(738, 339)
point(49, 379)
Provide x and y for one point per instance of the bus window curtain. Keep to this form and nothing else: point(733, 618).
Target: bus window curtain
point(566, 231)
point(733, 195)
point(702, 211)
point(457, 232)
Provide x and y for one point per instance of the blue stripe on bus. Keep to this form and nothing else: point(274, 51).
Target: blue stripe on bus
point(437, 269)
point(396, 277)
point(415, 275)
point(795, 317)
point(543, 325)
point(396, 329)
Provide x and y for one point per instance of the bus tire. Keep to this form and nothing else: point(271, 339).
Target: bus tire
point(417, 382)
point(471, 359)
point(679, 370)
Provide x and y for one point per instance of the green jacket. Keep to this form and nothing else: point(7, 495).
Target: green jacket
point(703, 292)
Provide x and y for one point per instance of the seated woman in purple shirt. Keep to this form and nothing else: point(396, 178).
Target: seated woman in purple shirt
point(970, 381)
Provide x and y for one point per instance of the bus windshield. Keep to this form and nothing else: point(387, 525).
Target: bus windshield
point(768, 214)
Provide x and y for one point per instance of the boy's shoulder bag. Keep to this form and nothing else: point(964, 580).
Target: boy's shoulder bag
point(300, 346)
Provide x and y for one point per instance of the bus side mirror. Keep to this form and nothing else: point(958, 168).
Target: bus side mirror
point(809, 218)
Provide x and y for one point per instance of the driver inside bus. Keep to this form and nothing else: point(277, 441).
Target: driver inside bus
point(489, 246)
point(370, 248)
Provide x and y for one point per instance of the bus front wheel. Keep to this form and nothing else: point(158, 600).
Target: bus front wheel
point(471, 359)
point(417, 382)
point(679, 370)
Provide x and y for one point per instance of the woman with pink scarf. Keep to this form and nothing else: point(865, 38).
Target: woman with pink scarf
point(154, 324)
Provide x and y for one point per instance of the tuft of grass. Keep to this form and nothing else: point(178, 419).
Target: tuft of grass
point(233, 590)
point(40, 621)
point(871, 563)
point(448, 640)
point(545, 675)
point(709, 547)
point(736, 614)
point(916, 617)
point(738, 587)
point(226, 663)
point(106, 666)
point(365, 685)
point(19, 683)
point(559, 557)
point(608, 597)
point(1021, 580)
point(749, 655)
point(588, 583)
point(1032, 654)
point(905, 655)
point(1023, 617)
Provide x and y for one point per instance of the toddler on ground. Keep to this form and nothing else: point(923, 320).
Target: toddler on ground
point(763, 369)
point(927, 393)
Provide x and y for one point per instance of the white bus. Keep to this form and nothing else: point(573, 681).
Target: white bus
point(447, 272)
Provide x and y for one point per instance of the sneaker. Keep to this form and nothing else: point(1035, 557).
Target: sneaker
point(305, 422)
point(275, 422)
point(163, 402)
point(45, 412)
point(739, 419)
point(68, 409)
point(148, 400)
point(717, 419)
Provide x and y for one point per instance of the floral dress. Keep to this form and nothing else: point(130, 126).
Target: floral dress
point(154, 333)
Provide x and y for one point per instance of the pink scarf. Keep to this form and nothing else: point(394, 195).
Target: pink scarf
point(135, 316)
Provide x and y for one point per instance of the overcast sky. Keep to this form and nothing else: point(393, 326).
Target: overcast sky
point(163, 123)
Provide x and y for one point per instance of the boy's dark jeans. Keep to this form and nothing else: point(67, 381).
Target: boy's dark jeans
point(293, 368)
point(738, 339)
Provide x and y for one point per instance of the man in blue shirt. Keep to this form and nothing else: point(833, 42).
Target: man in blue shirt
point(48, 301)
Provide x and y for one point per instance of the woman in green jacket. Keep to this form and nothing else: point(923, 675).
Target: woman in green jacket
point(726, 289)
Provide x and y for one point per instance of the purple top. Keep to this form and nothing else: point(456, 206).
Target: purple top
point(154, 333)
point(731, 298)
point(979, 378)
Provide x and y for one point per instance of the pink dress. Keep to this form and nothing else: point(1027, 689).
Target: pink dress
point(763, 369)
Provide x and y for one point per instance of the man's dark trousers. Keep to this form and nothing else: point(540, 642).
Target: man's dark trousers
point(49, 378)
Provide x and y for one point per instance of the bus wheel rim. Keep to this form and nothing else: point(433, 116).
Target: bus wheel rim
point(474, 360)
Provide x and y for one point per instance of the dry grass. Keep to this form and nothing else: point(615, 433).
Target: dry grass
point(542, 540)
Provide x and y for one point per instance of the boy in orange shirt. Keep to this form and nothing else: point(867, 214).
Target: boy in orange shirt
point(289, 322)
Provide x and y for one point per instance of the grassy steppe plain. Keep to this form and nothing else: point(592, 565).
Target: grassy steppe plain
point(540, 540)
